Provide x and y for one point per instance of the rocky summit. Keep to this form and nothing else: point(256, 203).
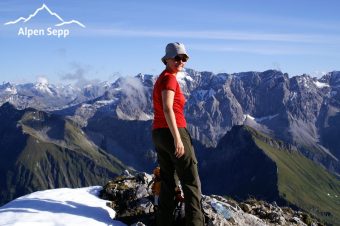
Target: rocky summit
point(132, 199)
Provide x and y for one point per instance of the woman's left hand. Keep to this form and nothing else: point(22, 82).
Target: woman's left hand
point(179, 152)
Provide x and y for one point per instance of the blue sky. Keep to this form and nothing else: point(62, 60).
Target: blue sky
point(128, 37)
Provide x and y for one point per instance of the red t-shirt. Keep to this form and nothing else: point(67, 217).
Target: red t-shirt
point(167, 81)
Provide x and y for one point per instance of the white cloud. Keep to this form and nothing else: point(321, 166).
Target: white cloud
point(134, 90)
point(263, 49)
point(78, 75)
point(318, 74)
point(42, 80)
point(216, 35)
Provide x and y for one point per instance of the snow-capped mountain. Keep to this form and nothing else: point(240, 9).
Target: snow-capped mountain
point(43, 87)
point(300, 110)
point(128, 98)
point(45, 96)
point(7, 89)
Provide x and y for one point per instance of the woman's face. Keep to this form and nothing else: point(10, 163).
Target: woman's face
point(176, 64)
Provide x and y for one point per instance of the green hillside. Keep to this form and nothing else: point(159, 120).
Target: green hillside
point(43, 151)
point(302, 182)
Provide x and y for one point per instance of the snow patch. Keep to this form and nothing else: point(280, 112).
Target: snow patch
point(63, 206)
point(10, 90)
point(86, 105)
point(320, 84)
point(302, 81)
point(266, 118)
point(105, 102)
point(42, 86)
point(247, 116)
point(182, 77)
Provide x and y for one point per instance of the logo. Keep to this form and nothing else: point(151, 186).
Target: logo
point(49, 31)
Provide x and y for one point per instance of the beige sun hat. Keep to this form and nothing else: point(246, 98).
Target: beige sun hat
point(173, 49)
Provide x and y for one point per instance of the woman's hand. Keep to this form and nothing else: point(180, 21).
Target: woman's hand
point(179, 148)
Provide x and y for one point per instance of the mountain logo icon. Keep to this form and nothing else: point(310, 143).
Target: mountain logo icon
point(44, 7)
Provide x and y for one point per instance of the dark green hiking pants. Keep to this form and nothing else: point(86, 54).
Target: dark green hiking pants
point(186, 169)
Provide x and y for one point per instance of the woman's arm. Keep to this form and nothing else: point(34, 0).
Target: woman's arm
point(168, 102)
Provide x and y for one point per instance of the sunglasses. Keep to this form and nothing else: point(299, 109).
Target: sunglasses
point(180, 58)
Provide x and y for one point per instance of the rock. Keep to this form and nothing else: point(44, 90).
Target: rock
point(138, 224)
point(246, 207)
point(274, 217)
point(131, 197)
point(298, 221)
point(141, 191)
point(282, 221)
point(261, 212)
point(222, 209)
point(126, 173)
point(145, 206)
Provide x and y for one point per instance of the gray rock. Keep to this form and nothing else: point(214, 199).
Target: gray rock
point(133, 204)
point(246, 207)
point(138, 224)
point(297, 221)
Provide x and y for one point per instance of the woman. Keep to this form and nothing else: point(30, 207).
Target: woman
point(173, 142)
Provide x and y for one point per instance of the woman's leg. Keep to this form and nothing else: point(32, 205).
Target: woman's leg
point(166, 198)
point(186, 168)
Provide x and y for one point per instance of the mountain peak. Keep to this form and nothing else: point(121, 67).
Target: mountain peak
point(7, 106)
point(333, 78)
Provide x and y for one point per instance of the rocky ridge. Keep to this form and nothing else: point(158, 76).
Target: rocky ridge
point(130, 196)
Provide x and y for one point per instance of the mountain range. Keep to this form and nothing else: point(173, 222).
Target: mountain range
point(301, 110)
point(272, 137)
